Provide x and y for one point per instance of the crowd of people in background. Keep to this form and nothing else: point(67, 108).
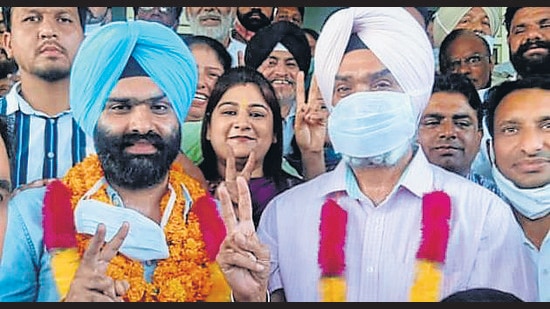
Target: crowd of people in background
point(384, 155)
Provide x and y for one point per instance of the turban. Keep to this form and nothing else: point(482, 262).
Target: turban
point(446, 19)
point(103, 56)
point(393, 35)
point(288, 34)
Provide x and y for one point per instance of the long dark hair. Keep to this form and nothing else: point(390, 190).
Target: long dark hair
point(240, 76)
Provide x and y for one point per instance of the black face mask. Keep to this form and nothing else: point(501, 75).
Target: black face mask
point(253, 23)
point(529, 66)
point(135, 171)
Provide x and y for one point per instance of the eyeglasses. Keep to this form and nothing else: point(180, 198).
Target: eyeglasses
point(472, 61)
point(162, 9)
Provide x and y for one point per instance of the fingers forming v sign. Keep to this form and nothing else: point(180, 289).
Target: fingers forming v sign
point(231, 172)
point(310, 124)
point(91, 282)
point(242, 258)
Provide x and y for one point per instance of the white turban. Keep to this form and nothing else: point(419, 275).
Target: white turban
point(103, 55)
point(446, 19)
point(393, 35)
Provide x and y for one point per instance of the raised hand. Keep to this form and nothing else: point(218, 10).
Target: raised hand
point(243, 259)
point(231, 172)
point(91, 283)
point(310, 127)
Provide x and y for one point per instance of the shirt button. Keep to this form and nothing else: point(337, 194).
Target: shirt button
point(370, 269)
point(52, 121)
point(149, 263)
point(51, 155)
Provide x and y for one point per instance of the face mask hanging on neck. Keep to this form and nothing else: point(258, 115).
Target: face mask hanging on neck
point(532, 203)
point(368, 124)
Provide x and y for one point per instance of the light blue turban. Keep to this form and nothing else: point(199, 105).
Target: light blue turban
point(103, 55)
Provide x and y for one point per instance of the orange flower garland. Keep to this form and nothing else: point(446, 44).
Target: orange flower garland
point(189, 273)
point(436, 212)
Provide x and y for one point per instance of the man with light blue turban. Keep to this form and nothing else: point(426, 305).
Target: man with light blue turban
point(125, 224)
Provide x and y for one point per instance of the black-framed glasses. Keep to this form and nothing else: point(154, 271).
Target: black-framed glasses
point(162, 9)
point(472, 61)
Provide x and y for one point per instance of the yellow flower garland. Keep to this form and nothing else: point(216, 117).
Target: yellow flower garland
point(186, 276)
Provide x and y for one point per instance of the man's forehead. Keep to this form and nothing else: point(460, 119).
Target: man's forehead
point(281, 55)
point(362, 61)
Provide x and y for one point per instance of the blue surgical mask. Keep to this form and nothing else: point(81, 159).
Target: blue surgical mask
point(145, 240)
point(490, 40)
point(532, 203)
point(368, 124)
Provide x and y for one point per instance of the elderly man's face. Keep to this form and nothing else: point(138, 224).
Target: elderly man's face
point(529, 40)
point(449, 133)
point(360, 70)
point(165, 15)
point(138, 134)
point(468, 55)
point(475, 20)
point(522, 137)
point(214, 22)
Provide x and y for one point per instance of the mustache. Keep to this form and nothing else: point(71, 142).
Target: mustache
point(533, 44)
point(210, 15)
point(151, 137)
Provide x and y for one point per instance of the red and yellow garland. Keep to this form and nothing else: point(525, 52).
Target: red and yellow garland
point(191, 272)
point(436, 212)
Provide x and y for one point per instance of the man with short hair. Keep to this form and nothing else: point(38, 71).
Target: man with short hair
point(47, 140)
point(166, 15)
point(293, 14)
point(127, 224)
point(5, 178)
point(450, 129)
point(385, 224)
point(249, 20)
point(519, 125)
point(528, 39)
point(216, 22)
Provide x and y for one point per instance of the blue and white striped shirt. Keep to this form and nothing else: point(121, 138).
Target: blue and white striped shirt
point(44, 146)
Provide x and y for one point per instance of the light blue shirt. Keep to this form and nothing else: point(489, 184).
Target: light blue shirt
point(25, 271)
point(541, 258)
point(485, 248)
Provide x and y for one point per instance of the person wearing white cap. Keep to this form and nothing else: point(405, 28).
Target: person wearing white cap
point(385, 225)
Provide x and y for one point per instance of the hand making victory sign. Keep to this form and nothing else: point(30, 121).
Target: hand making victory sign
point(91, 283)
point(310, 127)
point(243, 259)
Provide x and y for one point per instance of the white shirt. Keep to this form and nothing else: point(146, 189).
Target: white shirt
point(485, 247)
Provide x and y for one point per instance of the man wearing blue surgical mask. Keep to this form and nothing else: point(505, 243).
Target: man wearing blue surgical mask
point(519, 125)
point(363, 231)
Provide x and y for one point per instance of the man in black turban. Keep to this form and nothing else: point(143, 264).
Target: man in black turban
point(279, 51)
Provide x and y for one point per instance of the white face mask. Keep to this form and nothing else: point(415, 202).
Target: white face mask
point(368, 124)
point(532, 203)
point(145, 240)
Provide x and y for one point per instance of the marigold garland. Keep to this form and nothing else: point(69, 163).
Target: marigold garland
point(436, 212)
point(190, 273)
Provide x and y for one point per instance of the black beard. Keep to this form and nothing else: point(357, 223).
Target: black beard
point(135, 171)
point(253, 24)
point(529, 66)
point(52, 75)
